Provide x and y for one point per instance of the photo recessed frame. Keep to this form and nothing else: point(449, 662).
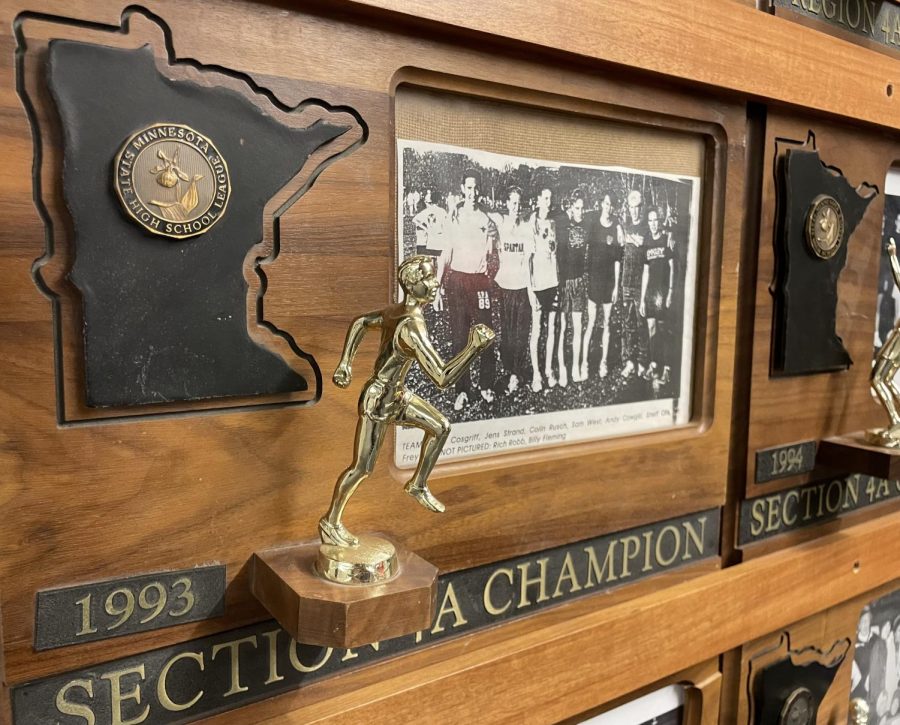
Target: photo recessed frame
point(577, 242)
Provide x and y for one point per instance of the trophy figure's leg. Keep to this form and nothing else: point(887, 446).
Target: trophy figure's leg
point(421, 414)
point(369, 437)
point(886, 389)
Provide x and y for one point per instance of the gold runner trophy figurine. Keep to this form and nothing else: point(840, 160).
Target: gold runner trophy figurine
point(385, 401)
point(887, 364)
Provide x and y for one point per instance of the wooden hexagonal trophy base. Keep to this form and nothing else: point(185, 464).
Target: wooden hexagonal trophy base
point(315, 611)
point(854, 453)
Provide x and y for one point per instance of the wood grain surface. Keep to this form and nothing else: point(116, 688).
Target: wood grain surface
point(820, 631)
point(709, 42)
point(91, 501)
point(787, 410)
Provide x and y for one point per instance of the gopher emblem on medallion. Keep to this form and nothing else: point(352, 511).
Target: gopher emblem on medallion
point(824, 226)
point(172, 180)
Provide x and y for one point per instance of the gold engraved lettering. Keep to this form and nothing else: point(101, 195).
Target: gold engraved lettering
point(64, 707)
point(351, 655)
point(123, 612)
point(855, 4)
point(789, 516)
point(299, 666)
point(851, 492)
point(773, 521)
point(118, 697)
point(525, 582)
point(815, 6)
point(234, 650)
point(806, 493)
point(86, 627)
point(829, 7)
point(676, 545)
point(758, 518)
point(272, 639)
point(162, 694)
point(631, 547)
point(185, 595)
point(869, 17)
point(594, 570)
point(157, 604)
point(833, 503)
point(450, 604)
point(648, 537)
point(567, 574)
point(489, 605)
point(692, 536)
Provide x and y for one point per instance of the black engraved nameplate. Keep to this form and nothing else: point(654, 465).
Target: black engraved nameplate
point(100, 610)
point(783, 461)
point(823, 500)
point(818, 211)
point(192, 680)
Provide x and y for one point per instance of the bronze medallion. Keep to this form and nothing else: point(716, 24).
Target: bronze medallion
point(172, 180)
point(798, 708)
point(824, 226)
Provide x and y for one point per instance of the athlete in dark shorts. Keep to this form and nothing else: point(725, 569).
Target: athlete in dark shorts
point(544, 287)
point(634, 331)
point(573, 238)
point(604, 267)
point(656, 287)
point(512, 290)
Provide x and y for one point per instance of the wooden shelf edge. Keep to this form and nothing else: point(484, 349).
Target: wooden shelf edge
point(709, 42)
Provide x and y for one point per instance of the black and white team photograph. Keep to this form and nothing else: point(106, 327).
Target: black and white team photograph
point(888, 307)
point(875, 674)
point(660, 707)
point(586, 274)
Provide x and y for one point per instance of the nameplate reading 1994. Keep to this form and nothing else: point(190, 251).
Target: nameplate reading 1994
point(784, 461)
point(193, 680)
point(100, 610)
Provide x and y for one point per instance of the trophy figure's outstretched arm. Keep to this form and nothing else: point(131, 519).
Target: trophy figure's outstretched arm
point(355, 334)
point(415, 335)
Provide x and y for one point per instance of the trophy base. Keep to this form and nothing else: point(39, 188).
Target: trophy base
point(874, 452)
point(372, 561)
point(314, 610)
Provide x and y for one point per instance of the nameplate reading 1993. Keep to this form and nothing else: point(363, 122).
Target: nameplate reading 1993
point(784, 461)
point(100, 610)
point(193, 680)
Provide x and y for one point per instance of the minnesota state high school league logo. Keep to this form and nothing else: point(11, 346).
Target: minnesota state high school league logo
point(172, 180)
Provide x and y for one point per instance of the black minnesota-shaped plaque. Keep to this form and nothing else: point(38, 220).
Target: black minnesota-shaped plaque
point(165, 318)
point(804, 336)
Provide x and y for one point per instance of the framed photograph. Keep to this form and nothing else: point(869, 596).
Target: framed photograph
point(585, 272)
point(661, 707)
point(875, 674)
point(887, 310)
